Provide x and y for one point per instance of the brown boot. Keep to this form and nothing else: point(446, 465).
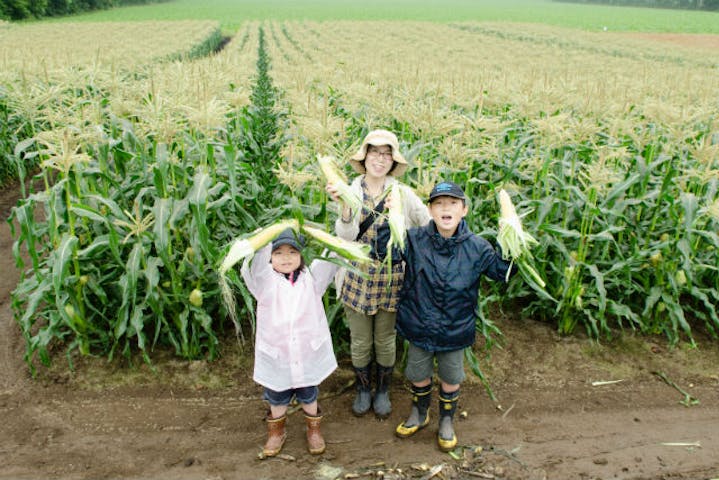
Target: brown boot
point(276, 435)
point(315, 442)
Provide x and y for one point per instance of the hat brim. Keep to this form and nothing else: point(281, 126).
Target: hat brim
point(286, 241)
point(447, 194)
point(288, 237)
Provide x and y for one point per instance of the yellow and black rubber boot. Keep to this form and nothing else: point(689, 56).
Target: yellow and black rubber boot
point(419, 414)
point(446, 439)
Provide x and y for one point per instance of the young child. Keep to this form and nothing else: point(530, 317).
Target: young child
point(370, 300)
point(293, 347)
point(436, 313)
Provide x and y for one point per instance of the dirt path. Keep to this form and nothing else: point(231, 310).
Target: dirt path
point(203, 421)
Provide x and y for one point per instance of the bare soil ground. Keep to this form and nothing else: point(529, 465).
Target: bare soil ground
point(695, 41)
point(200, 420)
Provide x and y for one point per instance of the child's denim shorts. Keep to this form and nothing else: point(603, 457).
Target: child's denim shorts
point(303, 395)
point(420, 365)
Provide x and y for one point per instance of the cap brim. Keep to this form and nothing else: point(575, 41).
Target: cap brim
point(443, 194)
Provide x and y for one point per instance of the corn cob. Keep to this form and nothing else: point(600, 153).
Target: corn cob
point(350, 250)
point(514, 241)
point(334, 176)
point(397, 227)
point(512, 237)
point(244, 247)
point(240, 249)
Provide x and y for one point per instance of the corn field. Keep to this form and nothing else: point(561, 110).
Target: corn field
point(151, 163)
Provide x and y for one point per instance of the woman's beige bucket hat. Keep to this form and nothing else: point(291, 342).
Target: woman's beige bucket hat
point(377, 138)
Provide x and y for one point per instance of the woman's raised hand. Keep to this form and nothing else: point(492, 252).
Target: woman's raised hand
point(388, 202)
point(333, 192)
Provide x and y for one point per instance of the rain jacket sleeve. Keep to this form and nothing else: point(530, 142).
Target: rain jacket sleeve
point(257, 269)
point(323, 273)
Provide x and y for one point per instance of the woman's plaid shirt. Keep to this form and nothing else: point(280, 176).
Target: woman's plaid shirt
point(380, 290)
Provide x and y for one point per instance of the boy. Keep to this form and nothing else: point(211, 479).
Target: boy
point(436, 313)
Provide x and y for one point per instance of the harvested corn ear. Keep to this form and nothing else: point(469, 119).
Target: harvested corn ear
point(244, 247)
point(350, 250)
point(516, 243)
point(334, 176)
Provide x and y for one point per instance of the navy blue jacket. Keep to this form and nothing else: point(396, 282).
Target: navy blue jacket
point(438, 300)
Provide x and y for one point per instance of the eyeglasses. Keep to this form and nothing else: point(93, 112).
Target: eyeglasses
point(377, 154)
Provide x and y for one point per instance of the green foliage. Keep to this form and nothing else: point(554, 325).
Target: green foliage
point(611, 256)
point(14, 129)
point(680, 4)
point(15, 9)
point(128, 235)
point(206, 47)
point(25, 9)
point(261, 124)
point(625, 246)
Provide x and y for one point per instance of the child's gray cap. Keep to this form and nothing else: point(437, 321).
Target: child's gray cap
point(289, 237)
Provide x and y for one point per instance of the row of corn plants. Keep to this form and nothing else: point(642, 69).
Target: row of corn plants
point(622, 196)
point(80, 70)
point(124, 240)
point(14, 128)
point(138, 206)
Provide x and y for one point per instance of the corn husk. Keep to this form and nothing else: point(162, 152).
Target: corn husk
point(240, 249)
point(334, 176)
point(395, 218)
point(244, 247)
point(512, 237)
point(355, 251)
point(516, 243)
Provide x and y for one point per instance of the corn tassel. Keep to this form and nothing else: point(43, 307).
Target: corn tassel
point(334, 176)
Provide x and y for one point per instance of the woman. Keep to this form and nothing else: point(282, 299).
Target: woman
point(371, 303)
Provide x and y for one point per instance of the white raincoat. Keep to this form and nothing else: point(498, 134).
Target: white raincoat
point(293, 346)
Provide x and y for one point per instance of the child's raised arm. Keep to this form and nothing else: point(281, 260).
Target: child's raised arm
point(256, 269)
point(491, 262)
point(323, 273)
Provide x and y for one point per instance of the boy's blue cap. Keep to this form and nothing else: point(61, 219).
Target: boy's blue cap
point(446, 189)
point(289, 237)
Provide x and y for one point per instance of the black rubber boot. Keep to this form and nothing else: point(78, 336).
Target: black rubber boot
point(363, 401)
point(446, 439)
point(381, 404)
point(419, 414)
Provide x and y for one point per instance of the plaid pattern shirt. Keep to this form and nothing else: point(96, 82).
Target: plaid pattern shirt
point(380, 290)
